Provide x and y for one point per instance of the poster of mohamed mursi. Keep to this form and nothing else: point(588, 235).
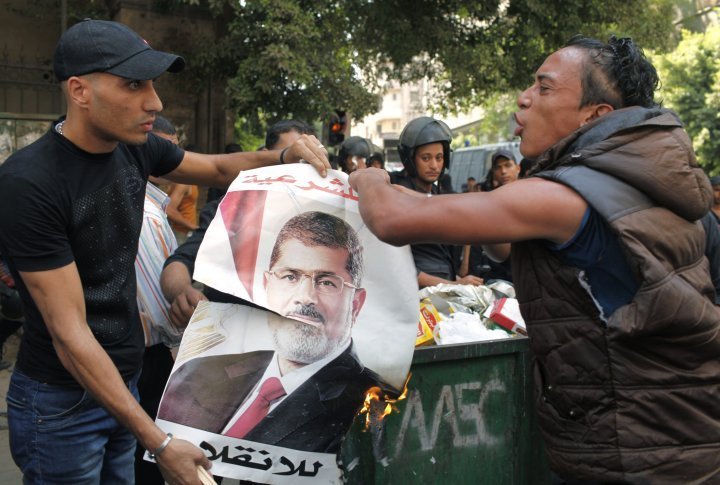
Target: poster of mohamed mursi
point(270, 394)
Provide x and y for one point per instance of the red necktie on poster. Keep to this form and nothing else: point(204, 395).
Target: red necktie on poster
point(270, 390)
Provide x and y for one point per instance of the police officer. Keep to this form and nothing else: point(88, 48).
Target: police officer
point(354, 153)
point(424, 149)
point(376, 160)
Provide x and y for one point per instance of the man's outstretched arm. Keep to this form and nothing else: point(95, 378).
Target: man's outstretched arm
point(527, 209)
point(221, 170)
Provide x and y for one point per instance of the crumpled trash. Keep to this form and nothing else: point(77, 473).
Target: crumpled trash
point(464, 312)
point(502, 288)
point(465, 327)
point(450, 298)
point(506, 313)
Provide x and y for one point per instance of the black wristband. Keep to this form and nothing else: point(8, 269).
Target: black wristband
point(282, 155)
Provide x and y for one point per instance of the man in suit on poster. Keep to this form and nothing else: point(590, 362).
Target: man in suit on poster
point(305, 393)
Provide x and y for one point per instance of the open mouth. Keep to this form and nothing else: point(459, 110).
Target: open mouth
point(518, 126)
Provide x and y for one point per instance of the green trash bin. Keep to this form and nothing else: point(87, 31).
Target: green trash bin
point(467, 418)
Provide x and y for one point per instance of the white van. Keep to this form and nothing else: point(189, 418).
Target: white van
point(475, 162)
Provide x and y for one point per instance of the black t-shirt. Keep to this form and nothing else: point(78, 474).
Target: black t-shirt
point(60, 204)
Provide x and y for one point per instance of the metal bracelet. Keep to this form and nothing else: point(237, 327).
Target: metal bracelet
point(154, 454)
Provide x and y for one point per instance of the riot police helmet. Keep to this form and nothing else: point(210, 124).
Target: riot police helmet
point(354, 146)
point(423, 131)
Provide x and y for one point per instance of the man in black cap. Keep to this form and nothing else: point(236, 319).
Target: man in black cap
point(72, 206)
point(504, 168)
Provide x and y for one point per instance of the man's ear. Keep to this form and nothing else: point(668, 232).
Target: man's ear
point(597, 111)
point(78, 91)
point(358, 302)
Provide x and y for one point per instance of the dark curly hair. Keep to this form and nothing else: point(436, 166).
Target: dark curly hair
point(628, 78)
point(286, 126)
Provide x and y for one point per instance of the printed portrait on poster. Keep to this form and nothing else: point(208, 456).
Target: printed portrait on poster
point(341, 319)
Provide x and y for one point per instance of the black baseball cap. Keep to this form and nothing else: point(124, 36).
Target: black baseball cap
point(104, 46)
point(503, 154)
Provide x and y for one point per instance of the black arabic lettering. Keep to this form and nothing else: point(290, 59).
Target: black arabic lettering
point(243, 459)
point(239, 460)
point(300, 470)
point(213, 452)
point(316, 467)
point(246, 459)
point(223, 456)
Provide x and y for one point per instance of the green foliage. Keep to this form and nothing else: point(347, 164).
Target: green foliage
point(249, 135)
point(474, 50)
point(284, 58)
point(304, 58)
point(494, 123)
point(690, 77)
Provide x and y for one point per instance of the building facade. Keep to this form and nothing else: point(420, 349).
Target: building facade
point(30, 96)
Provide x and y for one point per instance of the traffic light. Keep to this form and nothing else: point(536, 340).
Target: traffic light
point(336, 128)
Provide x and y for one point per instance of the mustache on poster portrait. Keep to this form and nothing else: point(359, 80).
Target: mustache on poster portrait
point(303, 311)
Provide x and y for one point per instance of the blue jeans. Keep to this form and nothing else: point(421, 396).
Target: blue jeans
point(62, 435)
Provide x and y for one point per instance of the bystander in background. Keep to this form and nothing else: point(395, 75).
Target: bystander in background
point(354, 153)
point(424, 149)
point(11, 316)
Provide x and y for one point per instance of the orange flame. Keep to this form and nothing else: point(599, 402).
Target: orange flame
point(376, 407)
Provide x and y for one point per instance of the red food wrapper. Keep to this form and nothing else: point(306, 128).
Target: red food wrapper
point(506, 313)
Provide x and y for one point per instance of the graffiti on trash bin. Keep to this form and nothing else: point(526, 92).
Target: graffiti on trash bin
point(451, 410)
